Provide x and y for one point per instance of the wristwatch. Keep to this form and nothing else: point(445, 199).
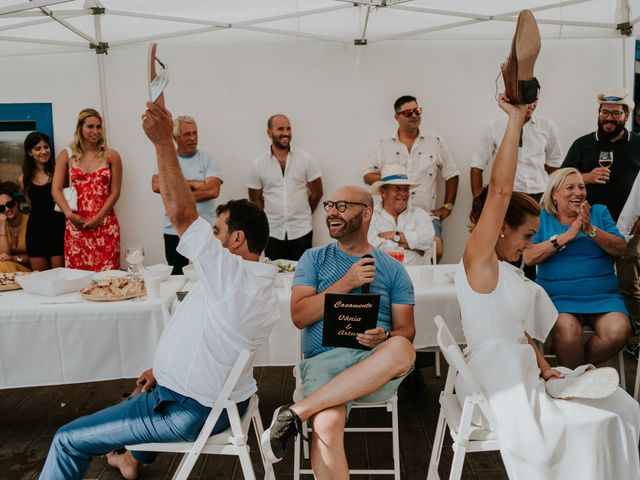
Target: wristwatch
point(554, 242)
point(592, 232)
point(448, 206)
point(396, 237)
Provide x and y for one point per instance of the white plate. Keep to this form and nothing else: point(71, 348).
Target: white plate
point(159, 271)
point(55, 282)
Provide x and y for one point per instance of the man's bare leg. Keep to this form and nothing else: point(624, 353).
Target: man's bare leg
point(328, 458)
point(391, 359)
point(125, 462)
point(612, 334)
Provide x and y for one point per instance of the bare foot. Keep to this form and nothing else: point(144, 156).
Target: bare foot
point(125, 462)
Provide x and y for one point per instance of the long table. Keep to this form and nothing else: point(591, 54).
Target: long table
point(66, 339)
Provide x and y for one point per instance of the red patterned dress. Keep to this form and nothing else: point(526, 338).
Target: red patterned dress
point(99, 248)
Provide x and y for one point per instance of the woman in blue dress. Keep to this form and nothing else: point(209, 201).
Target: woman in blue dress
point(574, 250)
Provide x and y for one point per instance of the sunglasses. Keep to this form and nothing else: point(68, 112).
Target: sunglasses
point(616, 114)
point(7, 206)
point(411, 112)
point(341, 205)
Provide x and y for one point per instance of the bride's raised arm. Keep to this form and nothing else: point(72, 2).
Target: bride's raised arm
point(480, 259)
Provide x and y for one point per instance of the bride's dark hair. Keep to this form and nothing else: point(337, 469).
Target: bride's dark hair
point(521, 205)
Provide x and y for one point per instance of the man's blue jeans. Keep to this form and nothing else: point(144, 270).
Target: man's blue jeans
point(160, 415)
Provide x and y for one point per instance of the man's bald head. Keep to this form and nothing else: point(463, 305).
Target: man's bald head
point(353, 193)
point(277, 116)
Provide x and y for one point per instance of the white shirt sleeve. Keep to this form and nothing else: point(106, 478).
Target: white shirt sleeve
point(420, 232)
point(446, 162)
point(254, 181)
point(218, 269)
point(376, 160)
point(631, 210)
point(312, 170)
point(374, 229)
point(553, 151)
point(486, 150)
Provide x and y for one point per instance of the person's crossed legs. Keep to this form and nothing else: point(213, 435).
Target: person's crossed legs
point(373, 379)
point(612, 331)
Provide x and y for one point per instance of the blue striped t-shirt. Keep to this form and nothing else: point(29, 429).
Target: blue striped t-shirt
point(321, 267)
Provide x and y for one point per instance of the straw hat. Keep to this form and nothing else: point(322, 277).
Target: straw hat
point(618, 96)
point(393, 175)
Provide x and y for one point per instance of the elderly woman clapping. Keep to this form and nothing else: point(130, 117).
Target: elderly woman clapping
point(574, 249)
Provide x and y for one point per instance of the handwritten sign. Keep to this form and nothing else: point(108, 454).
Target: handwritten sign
point(347, 315)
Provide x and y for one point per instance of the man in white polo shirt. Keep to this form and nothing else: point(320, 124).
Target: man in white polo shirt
point(232, 307)
point(286, 182)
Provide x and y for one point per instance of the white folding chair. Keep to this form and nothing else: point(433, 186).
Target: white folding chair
point(232, 441)
point(466, 436)
point(301, 448)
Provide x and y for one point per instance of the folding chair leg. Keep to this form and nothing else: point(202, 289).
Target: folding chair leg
point(257, 426)
point(623, 380)
point(438, 441)
point(437, 352)
point(182, 472)
point(296, 457)
point(245, 463)
point(636, 387)
point(305, 445)
point(395, 436)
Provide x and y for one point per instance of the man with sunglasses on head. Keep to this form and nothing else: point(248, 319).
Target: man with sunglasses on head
point(332, 378)
point(609, 182)
point(424, 154)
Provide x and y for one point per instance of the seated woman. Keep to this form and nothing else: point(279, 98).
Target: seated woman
point(574, 250)
point(13, 230)
point(541, 437)
point(45, 228)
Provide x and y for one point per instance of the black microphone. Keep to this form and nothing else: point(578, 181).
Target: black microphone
point(365, 287)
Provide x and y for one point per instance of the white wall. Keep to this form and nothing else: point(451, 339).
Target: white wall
point(338, 98)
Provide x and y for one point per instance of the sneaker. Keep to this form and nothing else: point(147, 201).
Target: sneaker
point(517, 72)
point(285, 425)
point(594, 383)
point(633, 350)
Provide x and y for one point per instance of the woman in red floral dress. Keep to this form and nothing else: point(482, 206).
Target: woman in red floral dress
point(92, 234)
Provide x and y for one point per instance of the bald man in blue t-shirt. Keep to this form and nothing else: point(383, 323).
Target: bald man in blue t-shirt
point(334, 377)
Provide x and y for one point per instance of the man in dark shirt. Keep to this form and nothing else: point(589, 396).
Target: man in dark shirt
point(610, 185)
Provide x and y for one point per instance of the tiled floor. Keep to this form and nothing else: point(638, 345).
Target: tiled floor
point(29, 418)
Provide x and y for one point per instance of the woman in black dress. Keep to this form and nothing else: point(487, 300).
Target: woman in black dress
point(45, 228)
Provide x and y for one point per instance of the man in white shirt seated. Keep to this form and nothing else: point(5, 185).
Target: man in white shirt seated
point(397, 224)
point(232, 307)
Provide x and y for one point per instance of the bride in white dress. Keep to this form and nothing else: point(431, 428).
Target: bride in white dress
point(541, 438)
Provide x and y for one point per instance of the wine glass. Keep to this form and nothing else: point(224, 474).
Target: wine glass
point(606, 159)
point(134, 255)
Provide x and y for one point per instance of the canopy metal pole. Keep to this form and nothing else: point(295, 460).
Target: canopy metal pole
point(100, 53)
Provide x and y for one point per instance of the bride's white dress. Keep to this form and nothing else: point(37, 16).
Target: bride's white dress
point(541, 438)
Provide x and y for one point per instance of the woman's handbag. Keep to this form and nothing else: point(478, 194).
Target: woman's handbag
point(70, 195)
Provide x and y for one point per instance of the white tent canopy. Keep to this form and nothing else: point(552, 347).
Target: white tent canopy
point(42, 26)
point(235, 62)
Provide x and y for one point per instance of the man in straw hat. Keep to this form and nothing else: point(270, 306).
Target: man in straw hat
point(397, 224)
point(609, 160)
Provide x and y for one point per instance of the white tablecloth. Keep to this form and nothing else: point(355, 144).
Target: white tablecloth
point(66, 339)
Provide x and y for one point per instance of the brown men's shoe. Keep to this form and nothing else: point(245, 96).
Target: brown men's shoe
point(517, 72)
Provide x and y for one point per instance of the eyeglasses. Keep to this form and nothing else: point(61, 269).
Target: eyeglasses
point(12, 203)
point(341, 205)
point(616, 114)
point(411, 112)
